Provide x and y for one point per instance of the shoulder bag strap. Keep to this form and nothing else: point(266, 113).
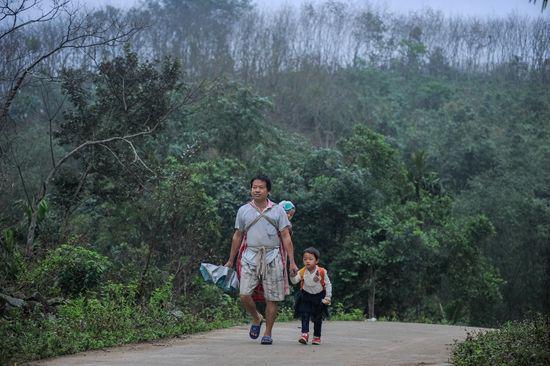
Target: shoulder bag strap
point(262, 215)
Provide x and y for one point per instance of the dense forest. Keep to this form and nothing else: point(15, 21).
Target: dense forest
point(415, 147)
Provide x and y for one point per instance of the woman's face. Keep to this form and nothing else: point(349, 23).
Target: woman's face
point(259, 190)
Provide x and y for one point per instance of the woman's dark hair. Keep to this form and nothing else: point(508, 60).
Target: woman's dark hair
point(312, 250)
point(263, 178)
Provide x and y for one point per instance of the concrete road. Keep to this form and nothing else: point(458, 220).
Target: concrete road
point(344, 343)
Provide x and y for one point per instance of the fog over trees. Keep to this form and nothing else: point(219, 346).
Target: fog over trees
point(415, 147)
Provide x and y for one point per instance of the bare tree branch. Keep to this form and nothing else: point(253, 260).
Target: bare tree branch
point(102, 142)
point(51, 117)
point(44, 17)
point(43, 188)
point(82, 31)
point(544, 3)
point(18, 166)
point(142, 184)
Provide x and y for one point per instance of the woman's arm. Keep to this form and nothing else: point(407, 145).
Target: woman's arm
point(235, 245)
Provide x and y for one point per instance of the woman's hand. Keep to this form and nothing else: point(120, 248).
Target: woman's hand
point(293, 269)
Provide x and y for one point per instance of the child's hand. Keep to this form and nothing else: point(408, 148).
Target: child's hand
point(326, 301)
point(316, 278)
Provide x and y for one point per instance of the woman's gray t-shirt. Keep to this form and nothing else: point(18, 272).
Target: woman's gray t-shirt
point(262, 233)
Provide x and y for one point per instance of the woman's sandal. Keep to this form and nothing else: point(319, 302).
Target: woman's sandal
point(267, 340)
point(254, 332)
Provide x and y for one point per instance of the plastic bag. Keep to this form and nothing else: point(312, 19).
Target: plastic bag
point(223, 277)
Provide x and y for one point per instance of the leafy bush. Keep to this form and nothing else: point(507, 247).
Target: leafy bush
point(71, 270)
point(338, 312)
point(11, 260)
point(112, 318)
point(285, 314)
point(523, 343)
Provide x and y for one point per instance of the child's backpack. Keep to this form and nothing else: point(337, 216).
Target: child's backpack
point(321, 272)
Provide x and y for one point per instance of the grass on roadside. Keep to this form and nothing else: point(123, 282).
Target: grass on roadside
point(110, 319)
point(524, 343)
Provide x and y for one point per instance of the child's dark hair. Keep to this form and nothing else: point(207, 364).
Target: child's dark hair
point(263, 178)
point(312, 250)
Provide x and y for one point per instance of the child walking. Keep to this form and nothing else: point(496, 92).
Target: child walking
point(314, 296)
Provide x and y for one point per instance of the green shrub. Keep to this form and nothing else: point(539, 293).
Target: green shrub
point(69, 270)
point(285, 314)
point(525, 343)
point(112, 318)
point(11, 260)
point(338, 312)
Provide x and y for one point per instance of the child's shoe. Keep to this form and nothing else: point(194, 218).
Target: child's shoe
point(304, 338)
point(316, 340)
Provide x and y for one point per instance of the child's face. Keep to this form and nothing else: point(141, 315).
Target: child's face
point(290, 214)
point(310, 261)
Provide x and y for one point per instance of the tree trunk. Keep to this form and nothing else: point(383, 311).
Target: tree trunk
point(34, 217)
point(70, 210)
point(372, 292)
point(30, 232)
point(141, 288)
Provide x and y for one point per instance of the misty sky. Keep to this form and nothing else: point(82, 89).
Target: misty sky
point(450, 7)
point(481, 8)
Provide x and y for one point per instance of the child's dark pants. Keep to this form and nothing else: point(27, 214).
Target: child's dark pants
point(317, 324)
point(310, 308)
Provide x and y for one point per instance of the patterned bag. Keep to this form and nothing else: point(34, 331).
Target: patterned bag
point(223, 277)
